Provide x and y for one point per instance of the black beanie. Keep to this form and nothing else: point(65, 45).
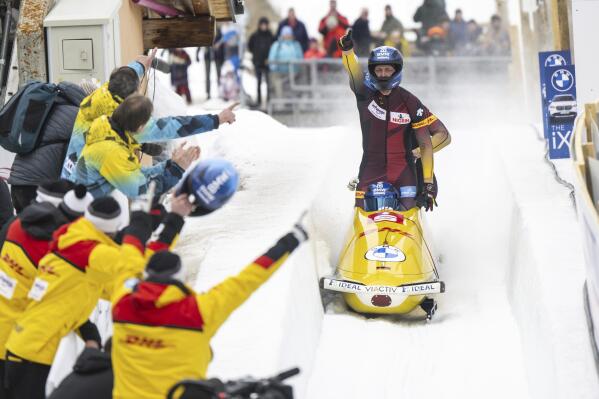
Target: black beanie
point(105, 214)
point(164, 264)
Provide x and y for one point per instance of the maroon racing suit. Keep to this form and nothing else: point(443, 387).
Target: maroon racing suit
point(389, 124)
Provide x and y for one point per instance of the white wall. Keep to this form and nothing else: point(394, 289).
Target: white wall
point(585, 16)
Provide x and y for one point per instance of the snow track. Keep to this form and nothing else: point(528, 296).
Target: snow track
point(493, 337)
point(511, 323)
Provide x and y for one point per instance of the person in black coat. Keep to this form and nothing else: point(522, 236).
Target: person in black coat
point(299, 29)
point(259, 45)
point(361, 34)
point(44, 164)
point(92, 376)
point(431, 13)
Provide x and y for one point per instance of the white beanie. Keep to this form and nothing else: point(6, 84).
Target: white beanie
point(53, 192)
point(76, 201)
point(105, 214)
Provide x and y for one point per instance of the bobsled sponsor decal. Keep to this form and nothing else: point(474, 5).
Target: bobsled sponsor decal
point(387, 217)
point(409, 289)
point(377, 111)
point(407, 192)
point(385, 253)
point(400, 118)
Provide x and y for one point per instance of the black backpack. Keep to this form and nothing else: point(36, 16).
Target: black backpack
point(23, 117)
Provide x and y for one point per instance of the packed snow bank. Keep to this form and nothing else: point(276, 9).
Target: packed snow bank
point(546, 273)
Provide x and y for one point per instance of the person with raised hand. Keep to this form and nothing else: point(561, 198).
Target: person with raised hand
point(124, 82)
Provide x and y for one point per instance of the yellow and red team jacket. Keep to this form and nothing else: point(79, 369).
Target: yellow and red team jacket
point(70, 280)
point(162, 329)
point(19, 257)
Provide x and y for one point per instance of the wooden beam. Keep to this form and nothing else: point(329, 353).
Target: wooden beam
point(188, 31)
point(31, 41)
point(560, 25)
point(222, 10)
point(201, 7)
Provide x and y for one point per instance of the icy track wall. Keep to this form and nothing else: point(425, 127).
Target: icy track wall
point(545, 275)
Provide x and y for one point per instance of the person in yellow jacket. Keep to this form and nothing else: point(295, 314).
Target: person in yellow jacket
point(83, 261)
point(109, 160)
point(163, 328)
point(124, 82)
point(24, 241)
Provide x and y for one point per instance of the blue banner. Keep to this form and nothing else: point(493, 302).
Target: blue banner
point(558, 91)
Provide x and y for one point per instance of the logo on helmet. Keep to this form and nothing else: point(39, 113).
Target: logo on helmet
point(206, 192)
point(383, 53)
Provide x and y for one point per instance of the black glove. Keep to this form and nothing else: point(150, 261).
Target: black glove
point(140, 226)
point(346, 43)
point(426, 198)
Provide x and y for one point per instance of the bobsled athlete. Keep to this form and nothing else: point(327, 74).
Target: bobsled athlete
point(397, 129)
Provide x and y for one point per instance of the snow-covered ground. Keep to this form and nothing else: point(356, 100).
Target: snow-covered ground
point(501, 330)
point(511, 323)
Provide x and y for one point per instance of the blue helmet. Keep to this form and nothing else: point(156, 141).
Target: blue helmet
point(211, 183)
point(384, 55)
point(381, 196)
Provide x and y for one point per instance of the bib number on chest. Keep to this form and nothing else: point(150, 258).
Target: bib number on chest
point(7, 285)
point(38, 289)
point(377, 111)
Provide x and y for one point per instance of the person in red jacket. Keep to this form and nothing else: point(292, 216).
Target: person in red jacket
point(333, 27)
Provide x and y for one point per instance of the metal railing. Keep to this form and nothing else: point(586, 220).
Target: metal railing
point(306, 85)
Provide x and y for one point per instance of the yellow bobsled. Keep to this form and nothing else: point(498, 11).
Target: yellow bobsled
point(386, 267)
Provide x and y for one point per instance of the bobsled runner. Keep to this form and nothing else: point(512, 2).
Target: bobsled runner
point(386, 266)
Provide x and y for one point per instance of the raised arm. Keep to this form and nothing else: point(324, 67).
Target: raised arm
point(217, 304)
point(351, 63)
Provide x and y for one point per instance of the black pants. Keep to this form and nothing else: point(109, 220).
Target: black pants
point(262, 72)
point(22, 196)
point(25, 379)
point(3, 391)
point(6, 210)
point(208, 58)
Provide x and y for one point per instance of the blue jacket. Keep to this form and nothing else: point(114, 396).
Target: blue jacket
point(299, 32)
point(283, 51)
point(101, 103)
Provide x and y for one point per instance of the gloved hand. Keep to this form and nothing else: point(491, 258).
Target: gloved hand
point(353, 184)
point(426, 198)
point(346, 43)
point(140, 226)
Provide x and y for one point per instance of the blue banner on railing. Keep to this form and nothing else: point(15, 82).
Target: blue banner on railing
point(558, 91)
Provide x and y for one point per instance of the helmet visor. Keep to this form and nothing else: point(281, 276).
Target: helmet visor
point(372, 204)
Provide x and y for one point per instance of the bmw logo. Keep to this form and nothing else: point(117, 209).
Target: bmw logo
point(562, 80)
point(555, 60)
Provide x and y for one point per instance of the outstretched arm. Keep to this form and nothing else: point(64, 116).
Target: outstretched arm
point(217, 304)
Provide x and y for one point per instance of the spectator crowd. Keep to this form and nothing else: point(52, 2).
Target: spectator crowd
point(273, 54)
